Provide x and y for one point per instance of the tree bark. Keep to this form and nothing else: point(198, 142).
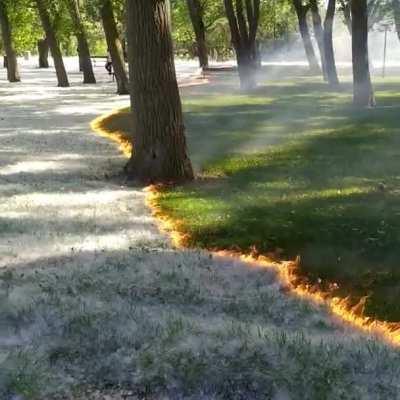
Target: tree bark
point(243, 24)
point(12, 64)
point(85, 62)
point(196, 16)
point(301, 12)
point(319, 34)
point(396, 13)
point(345, 7)
point(114, 47)
point(160, 153)
point(43, 50)
point(363, 94)
point(330, 64)
point(53, 43)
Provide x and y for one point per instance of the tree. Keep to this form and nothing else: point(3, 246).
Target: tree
point(319, 34)
point(12, 65)
point(243, 26)
point(345, 7)
point(196, 15)
point(114, 46)
point(329, 54)
point(62, 77)
point(396, 13)
point(85, 61)
point(363, 94)
point(301, 11)
point(43, 51)
point(160, 153)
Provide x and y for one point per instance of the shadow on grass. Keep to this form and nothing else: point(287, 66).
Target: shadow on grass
point(304, 172)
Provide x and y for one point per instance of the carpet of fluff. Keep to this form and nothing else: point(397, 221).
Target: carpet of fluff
point(92, 297)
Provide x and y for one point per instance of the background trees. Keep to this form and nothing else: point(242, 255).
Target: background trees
point(114, 45)
point(196, 11)
point(12, 65)
point(243, 23)
point(301, 11)
point(83, 46)
point(43, 7)
point(208, 29)
point(363, 92)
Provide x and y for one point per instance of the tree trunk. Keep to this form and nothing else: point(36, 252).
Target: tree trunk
point(53, 43)
point(396, 13)
point(114, 47)
point(319, 34)
point(160, 153)
point(330, 64)
point(12, 64)
point(301, 12)
point(196, 16)
point(363, 94)
point(85, 62)
point(345, 7)
point(243, 34)
point(43, 50)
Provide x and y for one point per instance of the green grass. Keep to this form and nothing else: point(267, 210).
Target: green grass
point(295, 167)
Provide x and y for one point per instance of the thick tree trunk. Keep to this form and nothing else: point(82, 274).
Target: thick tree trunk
point(243, 27)
point(301, 12)
point(43, 50)
point(85, 62)
point(363, 94)
point(196, 16)
point(319, 34)
point(160, 153)
point(12, 65)
point(53, 43)
point(248, 67)
point(396, 12)
point(330, 64)
point(114, 47)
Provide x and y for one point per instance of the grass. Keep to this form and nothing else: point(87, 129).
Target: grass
point(166, 324)
point(179, 325)
point(294, 169)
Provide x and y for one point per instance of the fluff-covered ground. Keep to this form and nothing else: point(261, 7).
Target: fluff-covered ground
point(92, 296)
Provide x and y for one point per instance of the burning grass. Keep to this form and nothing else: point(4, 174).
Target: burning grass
point(293, 169)
point(166, 324)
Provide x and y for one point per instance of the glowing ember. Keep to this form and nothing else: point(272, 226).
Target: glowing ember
point(287, 270)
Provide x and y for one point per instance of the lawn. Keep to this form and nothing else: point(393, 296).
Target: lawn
point(293, 169)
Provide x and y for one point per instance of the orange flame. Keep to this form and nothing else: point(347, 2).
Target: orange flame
point(287, 270)
point(288, 275)
point(100, 126)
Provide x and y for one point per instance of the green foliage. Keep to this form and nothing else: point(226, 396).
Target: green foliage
point(25, 25)
point(277, 22)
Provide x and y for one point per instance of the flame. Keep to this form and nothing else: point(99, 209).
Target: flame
point(100, 126)
point(288, 276)
point(287, 270)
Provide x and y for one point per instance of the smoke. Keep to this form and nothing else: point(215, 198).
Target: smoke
point(292, 52)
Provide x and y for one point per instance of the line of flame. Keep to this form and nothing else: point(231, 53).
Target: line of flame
point(287, 270)
point(99, 126)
